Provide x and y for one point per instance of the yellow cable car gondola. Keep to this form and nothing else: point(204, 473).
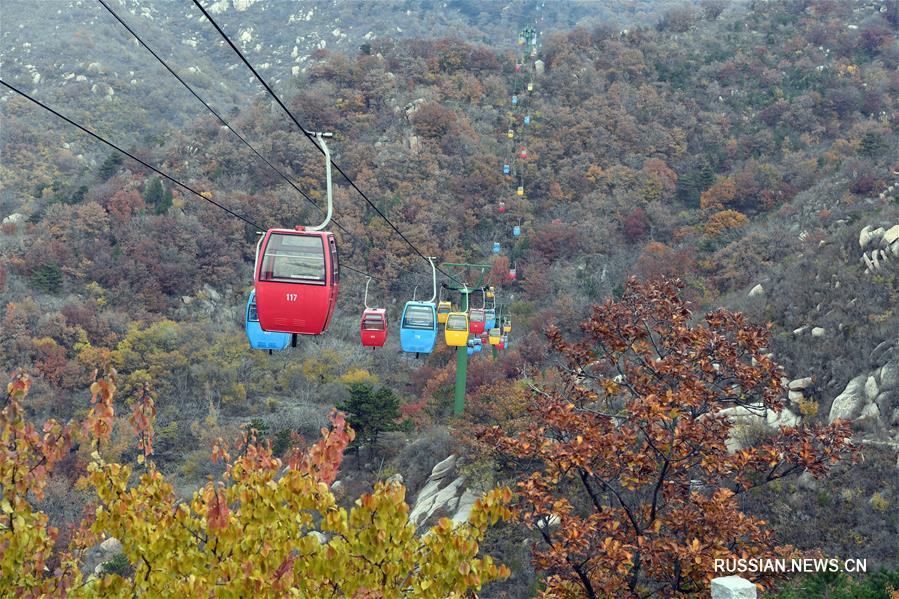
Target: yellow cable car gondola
point(490, 293)
point(530, 86)
point(443, 310)
point(507, 326)
point(510, 134)
point(520, 191)
point(495, 336)
point(456, 329)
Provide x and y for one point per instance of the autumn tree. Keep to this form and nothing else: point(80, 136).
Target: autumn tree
point(724, 221)
point(265, 528)
point(624, 471)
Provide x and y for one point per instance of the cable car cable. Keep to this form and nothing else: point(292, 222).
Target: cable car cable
point(156, 170)
point(236, 133)
point(129, 155)
point(215, 113)
point(310, 136)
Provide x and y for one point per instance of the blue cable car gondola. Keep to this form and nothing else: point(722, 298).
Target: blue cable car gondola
point(507, 170)
point(418, 325)
point(418, 329)
point(527, 119)
point(490, 318)
point(514, 100)
point(496, 247)
point(516, 230)
point(258, 338)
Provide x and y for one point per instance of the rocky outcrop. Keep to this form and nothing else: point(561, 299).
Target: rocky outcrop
point(880, 246)
point(756, 415)
point(104, 553)
point(14, 218)
point(873, 396)
point(757, 291)
point(732, 587)
point(443, 495)
point(848, 404)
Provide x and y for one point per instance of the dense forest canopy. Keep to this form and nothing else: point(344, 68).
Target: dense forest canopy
point(739, 147)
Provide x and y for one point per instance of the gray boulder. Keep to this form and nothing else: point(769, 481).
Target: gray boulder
point(733, 587)
point(15, 218)
point(463, 510)
point(111, 546)
point(848, 404)
point(889, 376)
point(871, 389)
point(870, 412)
point(798, 384)
point(783, 418)
point(438, 492)
point(443, 468)
point(891, 235)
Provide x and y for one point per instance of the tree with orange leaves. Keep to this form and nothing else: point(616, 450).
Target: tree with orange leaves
point(264, 529)
point(624, 472)
point(723, 221)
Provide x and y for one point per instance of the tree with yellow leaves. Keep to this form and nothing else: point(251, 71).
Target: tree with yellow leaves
point(265, 529)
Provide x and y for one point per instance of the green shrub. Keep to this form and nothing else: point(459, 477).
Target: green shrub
point(838, 585)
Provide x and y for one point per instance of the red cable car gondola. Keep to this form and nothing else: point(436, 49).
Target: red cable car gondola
point(373, 328)
point(477, 317)
point(502, 207)
point(297, 274)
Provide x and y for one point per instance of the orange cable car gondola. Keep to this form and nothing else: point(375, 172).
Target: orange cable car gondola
point(297, 274)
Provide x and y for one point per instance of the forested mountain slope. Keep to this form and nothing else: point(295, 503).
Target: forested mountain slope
point(731, 149)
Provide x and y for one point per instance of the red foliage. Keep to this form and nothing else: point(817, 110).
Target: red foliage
point(636, 225)
point(659, 260)
point(863, 183)
point(557, 240)
point(625, 476)
point(874, 38)
point(433, 121)
point(125, 204)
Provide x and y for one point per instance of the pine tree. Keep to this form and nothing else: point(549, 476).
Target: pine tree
point(158, 196)
point(370, 412)
point(47, 278)
point(872, 144)
point(110, 166)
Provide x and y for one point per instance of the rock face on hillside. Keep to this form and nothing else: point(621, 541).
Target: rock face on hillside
point(444, 495)
point(872, 396)
point(880, 247)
